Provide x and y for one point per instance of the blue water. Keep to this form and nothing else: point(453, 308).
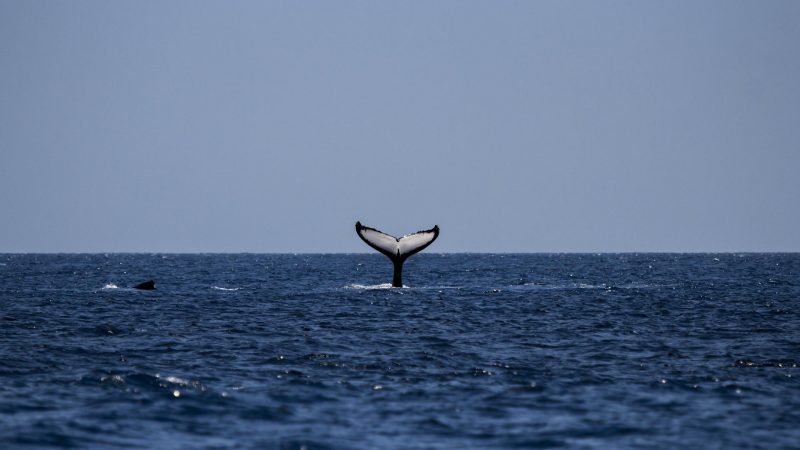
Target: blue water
point(480, 351)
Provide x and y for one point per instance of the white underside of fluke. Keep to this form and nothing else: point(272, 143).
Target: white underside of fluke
point(397, 247)
point(400, 247)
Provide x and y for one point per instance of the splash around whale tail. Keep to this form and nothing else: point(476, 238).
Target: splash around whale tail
point(397, 249)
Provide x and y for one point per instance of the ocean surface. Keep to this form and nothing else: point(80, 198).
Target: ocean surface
point(479, 351)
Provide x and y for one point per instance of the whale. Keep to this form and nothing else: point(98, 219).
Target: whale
point(397, 249)
point(149, 285)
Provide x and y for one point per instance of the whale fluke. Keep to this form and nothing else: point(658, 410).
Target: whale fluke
point(397, 249)
point(149, 285)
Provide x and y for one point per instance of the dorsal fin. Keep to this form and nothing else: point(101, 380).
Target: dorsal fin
point(149, 285)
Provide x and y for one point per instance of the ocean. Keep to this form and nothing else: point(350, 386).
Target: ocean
point(479, 351)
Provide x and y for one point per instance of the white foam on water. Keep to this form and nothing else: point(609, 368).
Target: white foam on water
point(389, 286)
point(110, 286)
point(174, 380)
point(219, 288)
point(536, 286)
point(372, 286)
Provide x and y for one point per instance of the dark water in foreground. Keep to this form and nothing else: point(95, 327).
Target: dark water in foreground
point(482, 351)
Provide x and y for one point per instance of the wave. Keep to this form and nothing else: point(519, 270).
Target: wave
point(110, 286)
point(602, 286)
point(174, 386)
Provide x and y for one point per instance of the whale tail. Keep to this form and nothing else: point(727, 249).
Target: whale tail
point(397, 249)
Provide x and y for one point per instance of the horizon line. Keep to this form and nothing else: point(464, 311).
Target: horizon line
point(570, 252)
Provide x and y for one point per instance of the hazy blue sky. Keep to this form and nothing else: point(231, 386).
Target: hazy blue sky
point(513, 125)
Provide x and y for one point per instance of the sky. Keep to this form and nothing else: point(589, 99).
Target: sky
point(516, 126)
